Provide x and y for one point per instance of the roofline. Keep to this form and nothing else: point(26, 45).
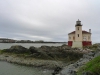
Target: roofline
point(82, 33)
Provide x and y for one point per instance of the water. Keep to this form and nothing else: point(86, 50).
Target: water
point(14, 69)
point(27, 45)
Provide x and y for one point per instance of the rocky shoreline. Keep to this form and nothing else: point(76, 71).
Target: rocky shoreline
point(46, 64)
point(45, 56)
point(72, 69)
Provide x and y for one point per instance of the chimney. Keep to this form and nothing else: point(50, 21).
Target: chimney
point(90, 30)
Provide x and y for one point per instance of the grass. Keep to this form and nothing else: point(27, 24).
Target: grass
point(92, 66)
point(1, 51)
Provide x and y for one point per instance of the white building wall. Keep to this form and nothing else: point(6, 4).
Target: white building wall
point(78, 33)
point(86, 37)
point(71, 37)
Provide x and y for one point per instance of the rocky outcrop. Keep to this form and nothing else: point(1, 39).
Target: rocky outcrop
point(53, 52)
point(44, 56)
point(73, 68)
point(54, 57)
point(33, 50)
point(17, 49)
point(51, 57)
point(18, 59)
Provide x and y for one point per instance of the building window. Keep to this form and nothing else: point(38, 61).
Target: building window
point(78, 35)
point(78, 28)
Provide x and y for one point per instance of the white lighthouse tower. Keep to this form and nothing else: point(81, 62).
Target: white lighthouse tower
point(79, 37)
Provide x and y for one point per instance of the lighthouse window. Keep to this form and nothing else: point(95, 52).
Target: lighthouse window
point(78, 28)
point(78, 35)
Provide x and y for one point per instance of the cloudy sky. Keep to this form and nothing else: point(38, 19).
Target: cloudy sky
point(48, 20)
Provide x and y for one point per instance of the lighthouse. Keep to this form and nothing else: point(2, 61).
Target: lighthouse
point(79, 37)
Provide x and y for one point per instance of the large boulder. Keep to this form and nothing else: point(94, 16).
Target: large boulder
point(32, 49)
point(18, 49)
point(39, 52)
point(45, 48)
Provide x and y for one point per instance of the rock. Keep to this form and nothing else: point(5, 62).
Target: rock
point(91, 54)
point(65, 47)
point(57, 71)
point(87, 73)
point(17, 49)
point(45, 48)
point(32, 49)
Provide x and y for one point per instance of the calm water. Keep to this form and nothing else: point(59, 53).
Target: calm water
point(27, 45)
point(14, 69)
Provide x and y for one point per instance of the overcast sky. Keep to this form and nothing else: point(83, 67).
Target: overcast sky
point(48, 20)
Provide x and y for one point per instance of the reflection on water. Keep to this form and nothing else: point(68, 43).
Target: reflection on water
point(14, 69)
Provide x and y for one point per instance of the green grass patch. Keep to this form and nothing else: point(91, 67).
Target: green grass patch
point(1, 51)
point(92, 66)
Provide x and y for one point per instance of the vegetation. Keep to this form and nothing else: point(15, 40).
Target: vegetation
point(92, 67)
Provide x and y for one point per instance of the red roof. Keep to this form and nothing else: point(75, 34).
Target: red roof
point(83, 32)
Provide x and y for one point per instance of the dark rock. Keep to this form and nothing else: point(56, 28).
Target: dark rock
point(65, 47)
point(87, 73)
point(6, 56)
point(57, 70)
point(17, 49)
point(32, 49)
point(45, 48)
point(72, 72)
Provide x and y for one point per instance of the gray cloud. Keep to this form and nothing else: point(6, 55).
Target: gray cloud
point(49, 20)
